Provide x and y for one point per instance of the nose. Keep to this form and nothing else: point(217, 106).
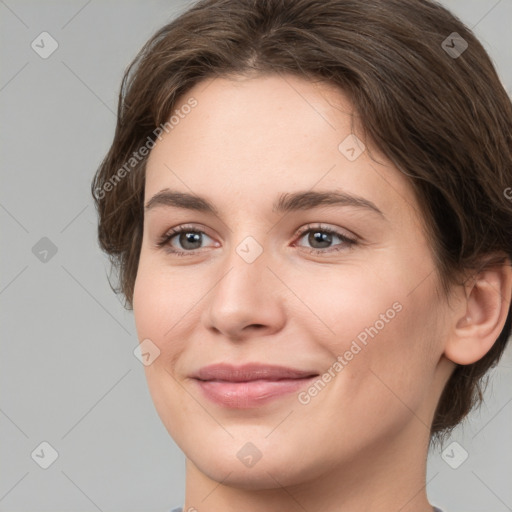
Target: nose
point(247, 299)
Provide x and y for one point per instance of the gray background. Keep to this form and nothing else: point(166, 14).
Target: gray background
point(68, 373)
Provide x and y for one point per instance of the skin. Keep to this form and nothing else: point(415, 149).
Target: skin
point(361, 443)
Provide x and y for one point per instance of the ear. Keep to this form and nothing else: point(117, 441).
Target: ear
point(481, 316)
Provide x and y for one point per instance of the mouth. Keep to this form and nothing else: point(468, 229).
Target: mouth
point(250, 385)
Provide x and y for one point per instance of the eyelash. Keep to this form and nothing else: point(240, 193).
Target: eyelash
point(167, 237)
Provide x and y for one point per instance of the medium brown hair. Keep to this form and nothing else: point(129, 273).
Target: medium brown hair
point(442, 119)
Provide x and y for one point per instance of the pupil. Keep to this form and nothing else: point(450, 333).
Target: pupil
point(190, 238)
point(321, 237)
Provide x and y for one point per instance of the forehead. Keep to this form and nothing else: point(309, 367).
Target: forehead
point(262, 136)
point(285, 111)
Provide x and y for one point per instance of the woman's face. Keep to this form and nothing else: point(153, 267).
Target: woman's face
point(341, 292)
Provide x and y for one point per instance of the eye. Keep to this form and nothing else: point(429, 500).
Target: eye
point(321, 237)
point(188, 237)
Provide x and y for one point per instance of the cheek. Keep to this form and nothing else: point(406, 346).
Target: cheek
point(146, 309)
point(384, 334)
point(156, 305)
point(345, 304)
point(156, 309)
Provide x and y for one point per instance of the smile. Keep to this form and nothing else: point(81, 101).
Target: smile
point(251, 385)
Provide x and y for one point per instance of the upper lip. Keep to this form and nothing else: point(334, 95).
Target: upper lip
point(249, 372)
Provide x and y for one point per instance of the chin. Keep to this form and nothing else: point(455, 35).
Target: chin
point(232, 473)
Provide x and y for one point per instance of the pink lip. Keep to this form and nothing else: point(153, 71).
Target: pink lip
point(250, 385)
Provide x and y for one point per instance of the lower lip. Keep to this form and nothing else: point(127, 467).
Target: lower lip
point(244, 395)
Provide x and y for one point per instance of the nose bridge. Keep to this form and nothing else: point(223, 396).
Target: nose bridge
point(247, 276)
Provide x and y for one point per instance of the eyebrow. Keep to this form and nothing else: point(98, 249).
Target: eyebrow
point(287, 202)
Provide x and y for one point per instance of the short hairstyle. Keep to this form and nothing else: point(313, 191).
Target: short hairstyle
point(433, 106)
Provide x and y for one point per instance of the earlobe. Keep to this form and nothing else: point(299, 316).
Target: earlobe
point(482, 315)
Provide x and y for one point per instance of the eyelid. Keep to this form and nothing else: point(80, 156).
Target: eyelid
point(186, 227)
point(324, 227)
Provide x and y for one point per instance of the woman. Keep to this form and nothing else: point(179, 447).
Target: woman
point(307, 205)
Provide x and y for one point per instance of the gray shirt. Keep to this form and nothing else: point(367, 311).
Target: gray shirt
point(179, 509)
